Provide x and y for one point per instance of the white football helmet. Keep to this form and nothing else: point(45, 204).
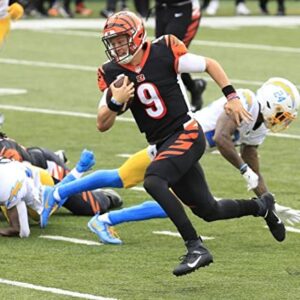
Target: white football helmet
point(279, 100)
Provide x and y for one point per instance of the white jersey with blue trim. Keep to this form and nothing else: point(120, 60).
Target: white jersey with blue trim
point(208, 116)
point(19, 182)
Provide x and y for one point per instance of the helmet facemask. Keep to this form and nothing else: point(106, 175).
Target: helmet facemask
point(112, 51)
point(280, 120)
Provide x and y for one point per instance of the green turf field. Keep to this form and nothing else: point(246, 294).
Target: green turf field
point(58, 70)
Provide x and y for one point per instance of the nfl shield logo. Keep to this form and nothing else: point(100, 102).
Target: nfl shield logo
point(140, 78)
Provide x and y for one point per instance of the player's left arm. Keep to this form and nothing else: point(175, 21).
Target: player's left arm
point(190, 63)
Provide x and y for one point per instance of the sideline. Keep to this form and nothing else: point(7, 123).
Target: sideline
point(212, 22)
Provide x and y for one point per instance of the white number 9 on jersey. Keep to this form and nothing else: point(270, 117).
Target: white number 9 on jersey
point(150, 97)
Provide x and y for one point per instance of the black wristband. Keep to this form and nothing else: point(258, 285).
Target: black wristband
point(227, 90)
point(114, 107)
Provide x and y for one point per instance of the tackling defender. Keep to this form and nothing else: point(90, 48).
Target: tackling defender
point(87, 203)
point(24, 188)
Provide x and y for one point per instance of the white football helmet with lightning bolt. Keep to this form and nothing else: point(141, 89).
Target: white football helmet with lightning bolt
point(279, 100)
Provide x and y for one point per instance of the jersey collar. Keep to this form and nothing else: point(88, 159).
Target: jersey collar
point(138, 68)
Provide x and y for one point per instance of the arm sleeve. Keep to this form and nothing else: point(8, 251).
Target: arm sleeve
point(191, 63)
point(23, 220)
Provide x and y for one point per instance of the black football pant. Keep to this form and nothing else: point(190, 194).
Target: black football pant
point(176, 166)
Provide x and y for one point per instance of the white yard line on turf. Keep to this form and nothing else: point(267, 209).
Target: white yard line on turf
point(5, 92)
point(93, 116)
point(70, 240)
point(57, 112)
point(43, 64)
point(52, 290)
point(171, 233)
point(292, 229)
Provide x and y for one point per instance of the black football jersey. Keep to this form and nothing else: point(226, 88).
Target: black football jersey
point(159, 106)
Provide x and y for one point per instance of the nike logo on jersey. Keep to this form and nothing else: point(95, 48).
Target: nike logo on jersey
point(178, 15)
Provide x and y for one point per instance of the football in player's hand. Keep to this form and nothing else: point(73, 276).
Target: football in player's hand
point(118, 83)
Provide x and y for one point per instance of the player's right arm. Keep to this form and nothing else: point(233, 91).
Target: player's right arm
point(105, 116)
point(225, 128)
point(250, 156)
point(108, 110)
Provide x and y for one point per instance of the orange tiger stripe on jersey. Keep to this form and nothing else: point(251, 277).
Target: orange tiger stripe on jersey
point(84, 196)
point(101, 82)
point(188, 136)
point(177, 46)
point(95, 205)
point(183, 142)
point(179, 144)
point(168, 153)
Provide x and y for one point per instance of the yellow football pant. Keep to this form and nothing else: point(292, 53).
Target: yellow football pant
point(132, 172)
point(4, 28)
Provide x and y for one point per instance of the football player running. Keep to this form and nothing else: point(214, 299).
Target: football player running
point(161, 112)
point(274, 107)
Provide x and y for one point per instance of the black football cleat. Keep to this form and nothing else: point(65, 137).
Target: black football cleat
point(197, 257)
point(274, 223)
point(196, 94)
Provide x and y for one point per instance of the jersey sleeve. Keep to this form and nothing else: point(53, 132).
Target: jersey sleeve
point(177, 47)
point(12, 183)
point(101, 80)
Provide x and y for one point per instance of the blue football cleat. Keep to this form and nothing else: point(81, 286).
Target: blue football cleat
point(103, 231)
point(48, 204)
point(86, 161)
